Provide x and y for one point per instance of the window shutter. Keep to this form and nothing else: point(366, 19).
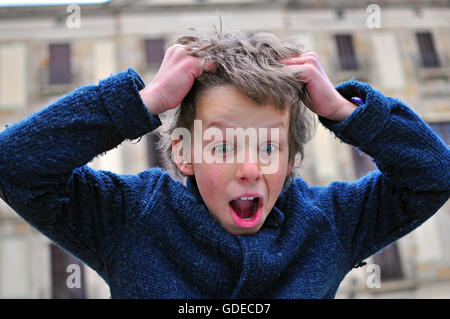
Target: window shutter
point(60, 259)
point(427, 49)
point(346, 51)
point(60, 70)
point(154, 51)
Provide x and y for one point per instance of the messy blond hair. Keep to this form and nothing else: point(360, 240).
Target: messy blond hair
point(251, 63)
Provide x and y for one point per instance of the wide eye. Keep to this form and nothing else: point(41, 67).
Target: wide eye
point(268, 148)
point(222, 148)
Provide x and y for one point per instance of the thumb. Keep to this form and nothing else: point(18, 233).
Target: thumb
point(209, 66)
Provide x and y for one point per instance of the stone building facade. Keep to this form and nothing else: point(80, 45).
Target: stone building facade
point(402, 48)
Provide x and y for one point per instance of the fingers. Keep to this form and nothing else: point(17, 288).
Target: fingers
point(309, 57)
point(175, 52)
point(301, 71)
point(305, 66)
point(210, 67)
point(198, 65)
point(195, 63)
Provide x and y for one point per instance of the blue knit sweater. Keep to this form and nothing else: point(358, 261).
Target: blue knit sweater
point(150, 236)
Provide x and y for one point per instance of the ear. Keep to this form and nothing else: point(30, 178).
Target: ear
point(184, 166)
point(290, 167)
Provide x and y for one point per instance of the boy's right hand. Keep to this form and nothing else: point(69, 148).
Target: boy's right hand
point(173, 80)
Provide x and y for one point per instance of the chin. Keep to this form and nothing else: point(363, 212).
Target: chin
point(234, 230)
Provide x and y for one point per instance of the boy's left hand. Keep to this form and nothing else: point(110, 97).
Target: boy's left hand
point(326, 100)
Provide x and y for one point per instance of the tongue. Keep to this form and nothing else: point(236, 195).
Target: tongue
point(243, 208)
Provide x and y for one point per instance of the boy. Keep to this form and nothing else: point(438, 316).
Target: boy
point(235, 230)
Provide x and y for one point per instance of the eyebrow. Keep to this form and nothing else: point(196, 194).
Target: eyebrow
point(224, 124)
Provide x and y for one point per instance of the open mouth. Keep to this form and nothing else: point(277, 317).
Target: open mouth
point(246, 210)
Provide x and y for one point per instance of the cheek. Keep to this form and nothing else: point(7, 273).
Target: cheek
point(277, 179)
point(210, 173)
point(211, 178)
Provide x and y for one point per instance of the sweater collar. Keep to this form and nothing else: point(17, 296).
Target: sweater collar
point(191, 185)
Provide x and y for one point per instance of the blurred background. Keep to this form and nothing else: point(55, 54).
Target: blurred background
point(400, 47)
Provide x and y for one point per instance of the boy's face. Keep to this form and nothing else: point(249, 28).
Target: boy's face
point(240, 193)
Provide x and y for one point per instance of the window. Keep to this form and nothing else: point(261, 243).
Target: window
point(346, 51)
point(389, 261)
point(13, 77)
point(427, 49)
point(154, 51)
point(60, 275)
point(60, 70)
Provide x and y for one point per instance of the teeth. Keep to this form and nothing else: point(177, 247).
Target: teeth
point(247, 198)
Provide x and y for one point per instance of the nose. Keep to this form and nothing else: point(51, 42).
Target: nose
point(248, 172)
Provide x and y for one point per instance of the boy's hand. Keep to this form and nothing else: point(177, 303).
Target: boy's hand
point(326, 100)
point(173, 80)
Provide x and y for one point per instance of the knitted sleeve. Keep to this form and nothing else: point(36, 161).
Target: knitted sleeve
point(44, 174)
point(412, 181)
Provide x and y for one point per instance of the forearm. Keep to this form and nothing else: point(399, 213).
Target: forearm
point(41, 151)
point(412, 183)
point(402, 145)
point(343, 112)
